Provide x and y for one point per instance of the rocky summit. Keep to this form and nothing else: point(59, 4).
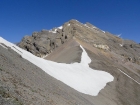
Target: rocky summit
point(23, 82)
point(45, 42)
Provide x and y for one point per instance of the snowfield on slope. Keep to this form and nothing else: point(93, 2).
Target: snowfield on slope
point(78, 76)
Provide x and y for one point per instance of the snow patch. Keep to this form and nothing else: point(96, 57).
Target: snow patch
point(52, 31)
point(121, 45)
point(93, 28)
point(68, 25)
point(78, 76)
point(86, 26)
point(103, 31)
point(78, 25)
point(60, 27)
point(55, 30)
point(89, 27)
point(119, 35)
point(76, 20)
point(44, 56)
point(1, 44)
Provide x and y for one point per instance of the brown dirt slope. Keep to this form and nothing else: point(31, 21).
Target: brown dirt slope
point(67, 53)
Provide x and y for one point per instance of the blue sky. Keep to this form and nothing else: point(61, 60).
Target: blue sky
point(22, 17)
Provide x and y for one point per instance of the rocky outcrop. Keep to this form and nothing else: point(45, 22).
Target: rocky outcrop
point(104, 47)
point(44, 42)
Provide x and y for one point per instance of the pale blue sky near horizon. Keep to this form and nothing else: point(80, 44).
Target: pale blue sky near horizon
point(22, 17)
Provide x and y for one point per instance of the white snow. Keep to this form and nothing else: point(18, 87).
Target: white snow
point(44, 56)
point(78, 76)
point(68, 25)
point(60, 27)
point(93, 28)
point(3, 46)
point(119, 35)
point(121, 45)
point(129, 76)
point(78, 25)
point(87, 26)
point(53, 31)
point(103, 31)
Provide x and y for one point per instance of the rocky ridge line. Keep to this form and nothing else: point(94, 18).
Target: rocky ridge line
point(44, 42)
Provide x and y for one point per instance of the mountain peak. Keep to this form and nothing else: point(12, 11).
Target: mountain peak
point(45, 42)
point(82, 57)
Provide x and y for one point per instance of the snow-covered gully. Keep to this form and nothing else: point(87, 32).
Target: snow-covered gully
point(78, 76)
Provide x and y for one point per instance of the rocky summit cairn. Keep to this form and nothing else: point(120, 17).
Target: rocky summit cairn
point(44, 42)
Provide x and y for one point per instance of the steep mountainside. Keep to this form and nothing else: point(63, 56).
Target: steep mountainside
point(22, 83)
point(108, 52)
point(26, 84)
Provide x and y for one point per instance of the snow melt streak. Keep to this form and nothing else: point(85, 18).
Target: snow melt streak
point(77, 75)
